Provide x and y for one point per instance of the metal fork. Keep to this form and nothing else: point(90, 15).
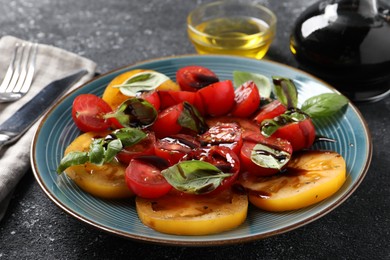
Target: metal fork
point(18, 78)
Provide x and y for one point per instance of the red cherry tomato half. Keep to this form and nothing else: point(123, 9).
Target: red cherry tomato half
point(144, 147)
point(247, 98)
point(300, 134)
point(174, 148)
point(170, 97)
point(193, 78)
point(217, 99)
point(88, 111)
point(222, 158)
point(144, 178)
point(223, 134)
point(269, 111)
point(249, 144)
point(152, 97)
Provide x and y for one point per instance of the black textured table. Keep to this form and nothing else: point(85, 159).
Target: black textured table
point(120, 32)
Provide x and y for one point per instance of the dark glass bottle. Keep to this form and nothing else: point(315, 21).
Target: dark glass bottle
point(347, 44)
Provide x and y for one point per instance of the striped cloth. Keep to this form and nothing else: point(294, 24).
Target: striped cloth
point(52, 63)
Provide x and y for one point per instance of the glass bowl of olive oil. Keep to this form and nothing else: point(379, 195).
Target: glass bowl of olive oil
point(232, 28)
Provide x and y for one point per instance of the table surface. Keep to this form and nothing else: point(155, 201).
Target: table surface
point(116, 33)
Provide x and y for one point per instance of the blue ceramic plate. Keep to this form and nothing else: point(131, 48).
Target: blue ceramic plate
point(57, 130)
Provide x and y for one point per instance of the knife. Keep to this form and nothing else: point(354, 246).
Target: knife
point(16, 125)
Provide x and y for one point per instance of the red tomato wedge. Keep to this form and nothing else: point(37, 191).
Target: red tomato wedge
point(247, 98)
point(193, 78)
point(269, 111)
point(174, 148)
point(199, 105)
point(248, 127)
point(144, 178)
point(217, 99)
point(167, 121)
point(223, 134)
point(280, 149)
point(153, 98)
point(222, 158)
point(300, 134)
point(144, 147)
point(170, 97)
point(88, 111)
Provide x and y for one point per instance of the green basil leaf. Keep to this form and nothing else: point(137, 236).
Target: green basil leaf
point(191, 119)
point(261, 81)
point(71, 159)
point(286, 91)
point(113, 148)
point(142, 81)
point(269, 157)
point(139, 77)
point(103, 150)
point(120, 115)
point(324, 104)
point(268, 127)
point(96, 152)
point(194, 177)
point(134, 112)
point(129, 136)
point(295, 116)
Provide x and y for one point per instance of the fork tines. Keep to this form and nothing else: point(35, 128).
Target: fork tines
point(20, 72)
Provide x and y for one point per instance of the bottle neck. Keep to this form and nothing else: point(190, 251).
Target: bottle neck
point(368, 8)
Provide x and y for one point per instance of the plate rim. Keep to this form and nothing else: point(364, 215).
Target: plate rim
point(210, 242)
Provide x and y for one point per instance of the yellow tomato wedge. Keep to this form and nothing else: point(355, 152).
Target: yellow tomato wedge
point(195, 215)
point(114, 97)
point(311, 177)
point(106, 181)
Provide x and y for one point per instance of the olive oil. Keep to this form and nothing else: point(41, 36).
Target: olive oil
point(347, 44)
point(243, 36)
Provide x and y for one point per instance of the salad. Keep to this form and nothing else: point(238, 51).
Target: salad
point(196, 151)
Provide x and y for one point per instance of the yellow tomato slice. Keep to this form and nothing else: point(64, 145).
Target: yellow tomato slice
point(106, 181)
point(114, 97)
point(311, 177)
point(195, 215)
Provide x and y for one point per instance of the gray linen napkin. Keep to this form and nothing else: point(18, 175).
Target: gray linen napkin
point(52, 63)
